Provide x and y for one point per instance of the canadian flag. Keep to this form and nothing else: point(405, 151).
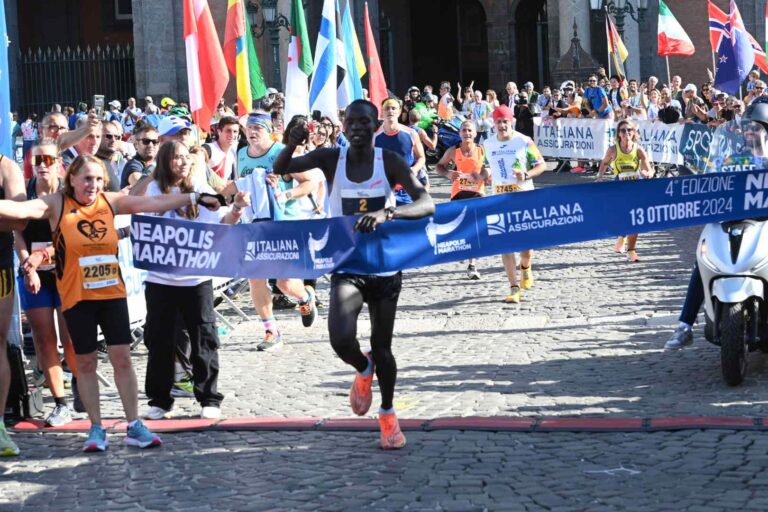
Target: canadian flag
point(207, 72)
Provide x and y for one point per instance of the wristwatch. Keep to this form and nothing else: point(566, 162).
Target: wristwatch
point(390, 211)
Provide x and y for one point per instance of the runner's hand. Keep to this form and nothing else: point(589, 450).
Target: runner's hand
point(32, 262)
point(272, 180)
point(367, 223)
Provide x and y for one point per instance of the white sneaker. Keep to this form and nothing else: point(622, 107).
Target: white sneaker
point(210, 412)
point(155, 413)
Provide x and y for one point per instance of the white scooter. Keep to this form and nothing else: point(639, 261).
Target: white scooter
point(733, 261)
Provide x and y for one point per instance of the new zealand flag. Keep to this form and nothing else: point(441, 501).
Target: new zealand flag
point(735, 55)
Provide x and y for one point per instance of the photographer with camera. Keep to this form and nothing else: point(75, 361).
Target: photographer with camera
point(412, 97)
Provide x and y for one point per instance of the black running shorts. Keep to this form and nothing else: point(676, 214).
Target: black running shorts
point(373, 288)
point(85, 317)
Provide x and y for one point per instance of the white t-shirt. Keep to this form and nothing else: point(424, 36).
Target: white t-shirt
point(505, 157)
point(205, 215)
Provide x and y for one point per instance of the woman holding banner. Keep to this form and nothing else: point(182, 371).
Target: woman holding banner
point(629, 161)
point(190, 297)
point(88, 278)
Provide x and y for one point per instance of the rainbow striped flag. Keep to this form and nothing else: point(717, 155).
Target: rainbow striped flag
point(242, 60)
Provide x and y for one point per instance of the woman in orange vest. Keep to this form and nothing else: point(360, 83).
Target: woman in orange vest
point(90, 284)
point(471, 171)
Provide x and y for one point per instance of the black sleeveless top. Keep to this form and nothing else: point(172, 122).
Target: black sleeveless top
point(39, 231)
point(6, 239)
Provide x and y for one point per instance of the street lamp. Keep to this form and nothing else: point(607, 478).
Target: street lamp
point(619, 9)
point(274, 20)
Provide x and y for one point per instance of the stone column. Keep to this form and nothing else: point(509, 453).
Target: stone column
point(159, 54)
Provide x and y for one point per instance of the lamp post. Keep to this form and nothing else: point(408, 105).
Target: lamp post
point(619, 9)
point(274, 20)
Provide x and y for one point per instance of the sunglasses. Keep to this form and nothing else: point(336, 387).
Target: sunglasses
point(111, 136)
point(56, 128)
point(627, 130)
point(147, 142)
point(48, 160)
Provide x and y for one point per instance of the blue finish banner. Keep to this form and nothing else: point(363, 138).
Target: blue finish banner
point(457, 231)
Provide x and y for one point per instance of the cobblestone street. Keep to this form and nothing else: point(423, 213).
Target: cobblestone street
point(587, 341)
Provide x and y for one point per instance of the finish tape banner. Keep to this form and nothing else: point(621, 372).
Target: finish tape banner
point(589, 139)
point(457, 231)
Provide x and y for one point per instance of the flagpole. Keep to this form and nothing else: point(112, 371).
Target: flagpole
point(714, 64)
point(608, 55)
point(669, 80)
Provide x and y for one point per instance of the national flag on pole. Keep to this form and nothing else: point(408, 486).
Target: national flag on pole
point(6, 138)
point(672, 38)
point(615, 46)
point(377, 86)
point(344, 92)
point(717, 29)
point(236, 53)
point(735, 56)
point(299, 65)
point(206, 69)
point(717, 21)
point(351, 52)
point(322, 89)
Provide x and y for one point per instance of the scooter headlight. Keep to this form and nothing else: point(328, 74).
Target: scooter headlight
point(703, 249)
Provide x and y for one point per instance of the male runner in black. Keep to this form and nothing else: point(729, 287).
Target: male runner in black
point(361, 180)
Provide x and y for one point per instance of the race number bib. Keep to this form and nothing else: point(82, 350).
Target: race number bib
point(505, 188)
point(99, 271)
point(360, 202)
point(628, 176)
point(466, 184)
point(41, 246)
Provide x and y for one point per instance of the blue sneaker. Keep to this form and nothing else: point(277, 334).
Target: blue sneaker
point(139, 435)
point(97, 439)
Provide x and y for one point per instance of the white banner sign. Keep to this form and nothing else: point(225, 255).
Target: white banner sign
point(589, 139)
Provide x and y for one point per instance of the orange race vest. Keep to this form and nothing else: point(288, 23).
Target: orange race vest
point(86, 253)
point(468, 165)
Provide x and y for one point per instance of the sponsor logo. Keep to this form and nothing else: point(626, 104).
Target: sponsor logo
point(315, 247)
point(534, 218)
point(434, 229)
point(93, 231)
point(272, 250)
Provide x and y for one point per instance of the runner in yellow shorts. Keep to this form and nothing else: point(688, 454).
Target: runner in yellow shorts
point(629, 162)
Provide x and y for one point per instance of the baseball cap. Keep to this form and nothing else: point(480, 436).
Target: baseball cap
point(690, 88)
point(167, 102)
point(115, 103)
point(171, 125)
point(271, 90)
point(413, 88)
point(503, 112)
point(568, 84)
point(528, 84)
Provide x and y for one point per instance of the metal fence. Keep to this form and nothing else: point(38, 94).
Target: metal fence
point(70, 75)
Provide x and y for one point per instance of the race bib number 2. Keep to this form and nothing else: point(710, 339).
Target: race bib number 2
point(99, 271)
point(360, 202)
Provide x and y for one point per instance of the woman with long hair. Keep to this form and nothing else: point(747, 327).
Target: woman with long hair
point(629, 161)
point(191, 297)
point(37, 285)
point(91, 286)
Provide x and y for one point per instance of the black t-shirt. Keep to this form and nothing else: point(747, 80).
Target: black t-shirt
point(134, 165)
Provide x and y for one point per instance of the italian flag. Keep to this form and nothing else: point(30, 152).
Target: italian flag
point(672, 38)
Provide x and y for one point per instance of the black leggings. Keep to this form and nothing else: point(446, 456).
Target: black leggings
point(348, 293)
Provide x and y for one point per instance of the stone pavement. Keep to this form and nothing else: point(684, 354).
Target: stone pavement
point(586, 341)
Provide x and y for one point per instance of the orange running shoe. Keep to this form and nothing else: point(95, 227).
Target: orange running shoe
point(392, 437)
point(360, 395)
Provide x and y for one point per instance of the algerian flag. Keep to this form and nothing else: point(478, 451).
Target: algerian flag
point(299, 65)
point(672, 38)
